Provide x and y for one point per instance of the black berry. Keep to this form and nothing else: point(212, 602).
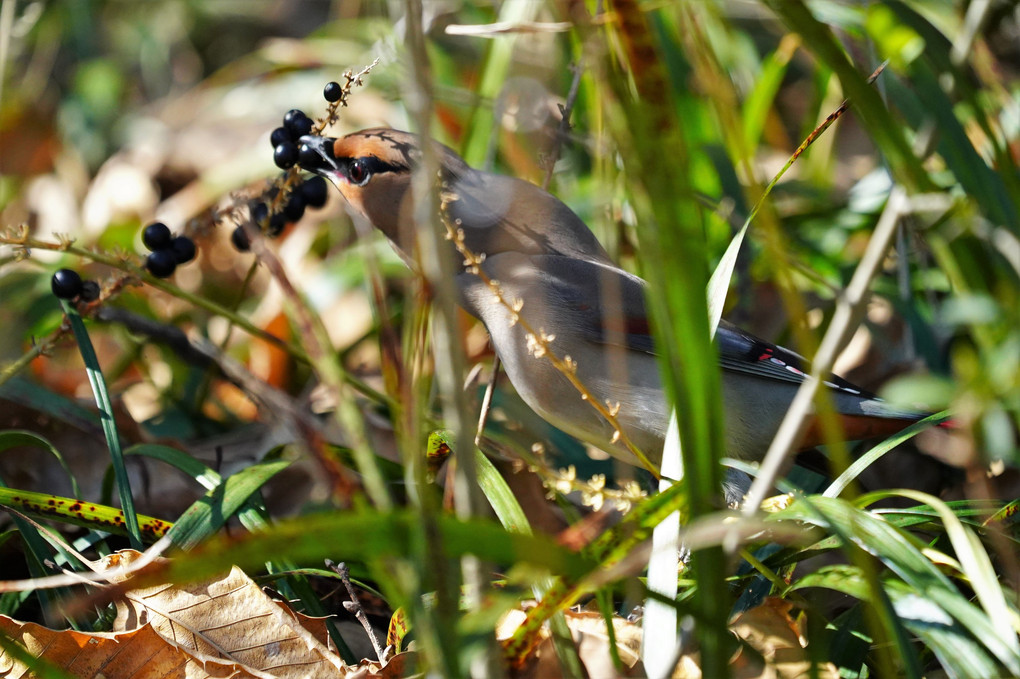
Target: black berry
point(314, 191)
point(285, 155)
point(308, 157)
point(66, 284)
point(260, 214)
point(332, 91)
point(297, 124)
point(89, 291)
point(279, 136)
point(156, 236)
point(183, 249)
point(276, 224)
point(295, 208)
point(161, 263)
point(240, 239)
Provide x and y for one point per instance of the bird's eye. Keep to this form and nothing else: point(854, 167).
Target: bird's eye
point(358, 172)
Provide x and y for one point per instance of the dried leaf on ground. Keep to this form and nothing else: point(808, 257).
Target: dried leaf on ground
point(124, 655)
point(771, 631)
point(592, 640)
point(228, 618)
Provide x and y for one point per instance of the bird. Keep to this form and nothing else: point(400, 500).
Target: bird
point(553, 274)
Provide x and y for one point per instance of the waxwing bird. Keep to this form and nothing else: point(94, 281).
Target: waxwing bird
point(543, 255)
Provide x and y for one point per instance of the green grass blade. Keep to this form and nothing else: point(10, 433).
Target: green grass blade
point(368, 535)
point(105, 405)
point(958, 652)
point(511, 515)
point(849, 526)
point(207, 515)
point(864, 461)
point(977, 566)
point(13, 438)
point(882, 127)
point(206, 477)
point(902, 554)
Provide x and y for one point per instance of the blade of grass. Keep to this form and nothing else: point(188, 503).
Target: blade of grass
point(365, 535)
point(38, 667)
point(958, 652)
point(483, 124)
point(977, 566)
point(818, 38)
point(654, 147)
point(864, 461)
point(105, 405)
point(880, 616)
point(253, 518)
point(511, 515)
point(207, 515)
point(16, 437)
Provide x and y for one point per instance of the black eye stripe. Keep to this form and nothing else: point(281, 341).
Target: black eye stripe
point(374, 165)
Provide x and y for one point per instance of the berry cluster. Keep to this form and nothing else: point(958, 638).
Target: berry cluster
point(297, 124)
point(270, 212)
point(284, 139)
point(67, 284)
point(168, 251)
point(308, 193)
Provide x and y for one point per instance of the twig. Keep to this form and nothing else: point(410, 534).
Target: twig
point(38, 349)
point(564, 127)
point(849, 308)
point(490, 390)
point(354, 606)
point(561, 132)
point(330, 372)
point(502, 27)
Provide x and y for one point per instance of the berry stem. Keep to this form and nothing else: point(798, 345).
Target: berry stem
point(38, 349)
point(123, 263)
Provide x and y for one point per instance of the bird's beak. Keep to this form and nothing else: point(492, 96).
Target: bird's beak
point(315, 154)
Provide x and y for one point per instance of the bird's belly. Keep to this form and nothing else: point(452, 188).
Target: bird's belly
point(754, 410)
point(752, 415)
point(626, 385)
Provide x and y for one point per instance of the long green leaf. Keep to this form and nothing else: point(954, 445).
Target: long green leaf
point(207, 515)
point(13, 438)
point(368, 535)
point(105, 405)
point(903, 554)
point(958, 651)
point(79, 513)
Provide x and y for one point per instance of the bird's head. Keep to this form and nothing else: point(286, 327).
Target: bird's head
point(372, 170)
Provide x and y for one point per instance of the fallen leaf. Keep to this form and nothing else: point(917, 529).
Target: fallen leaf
point(141, 653)
point(591, 639)
point(770, 631)
point(229, 618)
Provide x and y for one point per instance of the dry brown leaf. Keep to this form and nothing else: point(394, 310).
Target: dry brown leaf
point(771, 631)
point(228, 618)
point(592, 641)
point(139, 654)
point(768, 629)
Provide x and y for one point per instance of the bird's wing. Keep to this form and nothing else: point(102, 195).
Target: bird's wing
point(606, 305)
point(742, 352)
point(612, 304)
point(499, 214)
